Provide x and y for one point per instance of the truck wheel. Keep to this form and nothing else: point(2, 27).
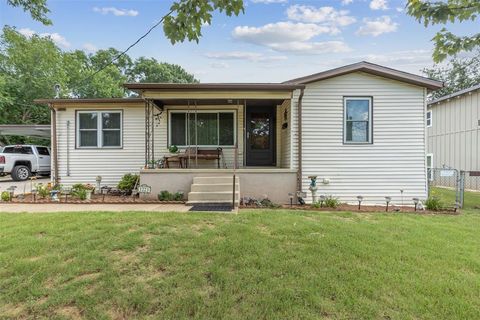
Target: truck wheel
point(20, 173)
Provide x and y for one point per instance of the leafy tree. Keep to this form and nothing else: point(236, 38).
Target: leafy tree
point(37, 8)
point(441, 12)
point(460, 74)
point(150, 70)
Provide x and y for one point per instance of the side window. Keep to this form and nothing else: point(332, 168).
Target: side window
point(357, 120)
point(43, 151)
point(430, 166)
point(429, 118)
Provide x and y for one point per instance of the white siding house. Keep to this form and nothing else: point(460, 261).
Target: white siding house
point(359, 128)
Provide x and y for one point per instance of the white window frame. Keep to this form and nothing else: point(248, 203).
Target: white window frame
point(370, 119)
point(170, 112)
point(429, 173)
point(99, 129)
point(429, 116)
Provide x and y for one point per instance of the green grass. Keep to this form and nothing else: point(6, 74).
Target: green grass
point(263, 264)
point(471, 200)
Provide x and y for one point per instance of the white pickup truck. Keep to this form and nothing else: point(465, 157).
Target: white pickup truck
point(21, 161)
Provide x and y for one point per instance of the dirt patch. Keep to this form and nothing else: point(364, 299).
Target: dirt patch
point(369, 209)
point(70, 312)
point(12, 310)
point(33, 259)
point(87, 276)
point(95, 198)
point(125, 256)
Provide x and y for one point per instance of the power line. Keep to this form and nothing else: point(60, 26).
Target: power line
point(121, 54)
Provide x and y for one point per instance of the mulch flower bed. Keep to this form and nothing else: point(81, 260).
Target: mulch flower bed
point(95, 198)
point(366, 208)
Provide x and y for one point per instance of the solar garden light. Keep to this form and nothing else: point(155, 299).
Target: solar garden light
point(34, 194)
point(360, 198)
point(416, 201)
point(322, 199)
point(290, 195)
point(104, 191)
point(387, 200)
point(66, 191)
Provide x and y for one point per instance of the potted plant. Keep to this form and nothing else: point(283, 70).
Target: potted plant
point(173, 149)
point(89, 190)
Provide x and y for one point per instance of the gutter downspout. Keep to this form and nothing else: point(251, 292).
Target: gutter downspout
point(53, 117)
point(299, 142)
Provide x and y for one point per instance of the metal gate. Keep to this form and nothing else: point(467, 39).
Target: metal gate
point(450, 179)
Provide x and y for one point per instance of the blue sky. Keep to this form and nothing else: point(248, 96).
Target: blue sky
point(274, 40)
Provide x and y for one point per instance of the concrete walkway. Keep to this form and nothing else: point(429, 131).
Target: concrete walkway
point(71, 207)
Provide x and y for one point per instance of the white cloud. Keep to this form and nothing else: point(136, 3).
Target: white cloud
point(219, 65)
point(269, 1)
point(378, 5)
point(290, 37)
point(89, 47)
point(116, 12)
point(243, 55)
point(399, 9)
point(346, 2)
point(377, 27)
point(326, 15)
point(312, 47)
point(280, 32)
point(56, 37)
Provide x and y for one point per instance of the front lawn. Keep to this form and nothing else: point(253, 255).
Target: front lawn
point(471, 199)
point(259, 264)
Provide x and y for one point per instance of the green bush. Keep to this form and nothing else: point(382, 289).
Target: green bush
point(81, 194)
point(5, 196)
point(43, 191)
point(331, 202)
point(433, 204)
point(167, 196)
point(128, 182)
point(173, 149)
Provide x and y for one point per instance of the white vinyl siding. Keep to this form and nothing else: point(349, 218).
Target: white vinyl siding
point(396, 159)
point(85, 164)
point(454, 139)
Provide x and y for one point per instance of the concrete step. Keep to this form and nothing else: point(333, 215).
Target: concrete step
point(214, 187)
point(210, 202)
point(215, 180)
point(222, 196)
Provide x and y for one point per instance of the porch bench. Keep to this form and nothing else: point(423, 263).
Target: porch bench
point(193, 153)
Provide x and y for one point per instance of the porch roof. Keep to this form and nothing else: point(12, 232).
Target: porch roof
point(214, 86)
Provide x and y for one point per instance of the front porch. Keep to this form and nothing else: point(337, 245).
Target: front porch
point(252, 127)
point(274, 183)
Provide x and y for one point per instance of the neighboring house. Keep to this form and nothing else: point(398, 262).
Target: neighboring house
point(359, 128)
point(453, 130)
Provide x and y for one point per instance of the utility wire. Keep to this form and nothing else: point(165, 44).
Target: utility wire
point(121, 54)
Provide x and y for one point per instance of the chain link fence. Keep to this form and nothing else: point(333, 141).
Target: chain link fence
point(449, 180)
point(472, 181)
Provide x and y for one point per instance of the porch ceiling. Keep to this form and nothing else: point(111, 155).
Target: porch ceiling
point(217, 102)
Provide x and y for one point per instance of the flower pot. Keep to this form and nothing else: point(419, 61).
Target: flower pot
point(89, 195)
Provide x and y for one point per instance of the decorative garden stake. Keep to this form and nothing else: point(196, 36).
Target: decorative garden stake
point(415, 201)
point(34, 194)
point(66, 191)
point(104, 192)
point(360, 198)
point(322, 199)
point(290, 195)
point(98, 180)
point(54, 195)
point(313, 187)
point(11, 189)
point(300, 196)
point(401, 194)
point(387, 200)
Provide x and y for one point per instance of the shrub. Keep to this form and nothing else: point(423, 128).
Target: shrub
point(5, 196)
point(43, 190)
point(164, 195)
point(81, 194)
point(178, 196)
point(316, 204)
point(331, 202)
point(128, 182)
point(173, 149)
point(433, 203)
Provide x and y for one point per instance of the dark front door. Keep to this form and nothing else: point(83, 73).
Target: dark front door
point(260, 139)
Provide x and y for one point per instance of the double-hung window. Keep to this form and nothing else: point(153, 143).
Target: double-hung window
point(429, 118)
point(357, 126)
point(430, 166)
point(202, 128)
point(99, 129)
